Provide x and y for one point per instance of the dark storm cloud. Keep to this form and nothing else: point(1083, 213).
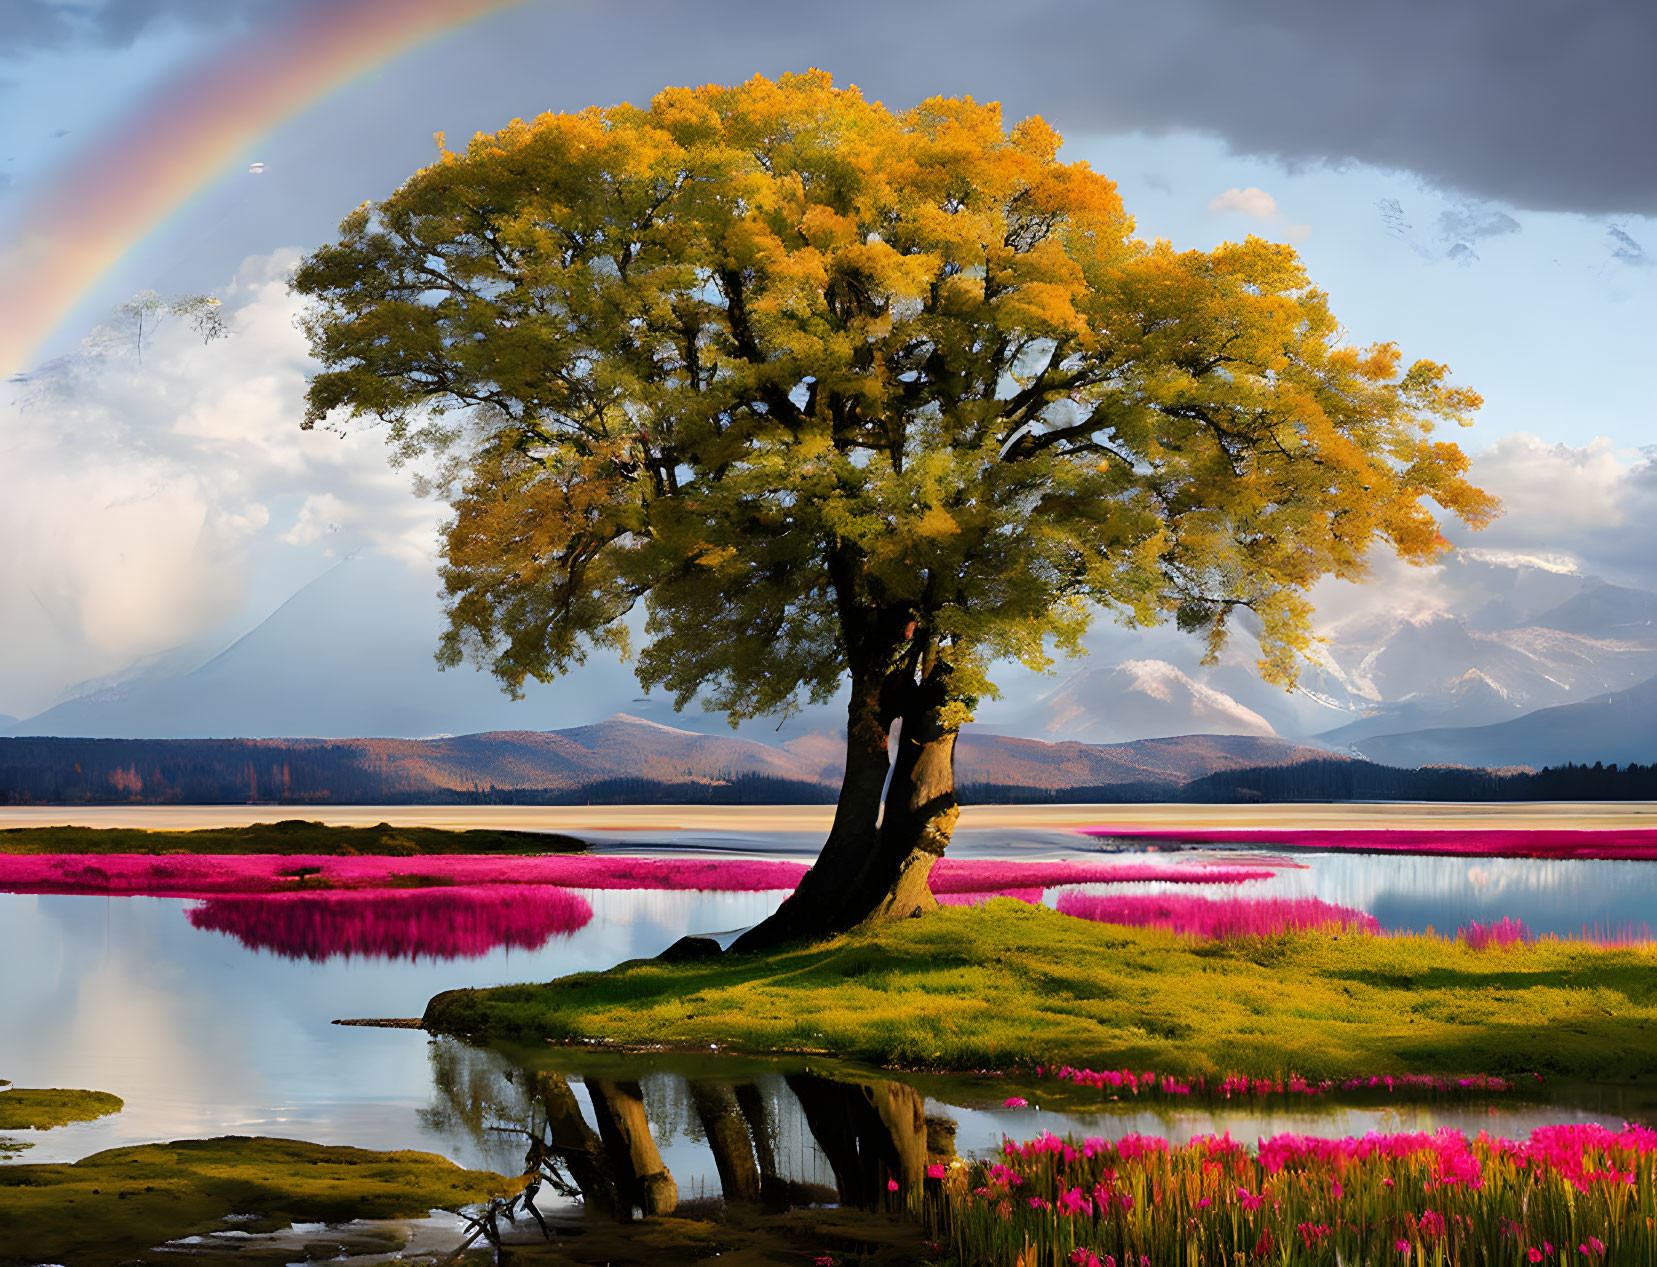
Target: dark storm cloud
point(1538, 104)
point(32, 24)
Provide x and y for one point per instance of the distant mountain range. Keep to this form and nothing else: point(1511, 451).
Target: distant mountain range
point(1619, 727)
point(1478, 677)
point(620, 758)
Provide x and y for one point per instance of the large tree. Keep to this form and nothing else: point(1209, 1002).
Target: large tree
point(853, 397)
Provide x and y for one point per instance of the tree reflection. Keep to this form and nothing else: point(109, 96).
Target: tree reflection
point(771, 1141)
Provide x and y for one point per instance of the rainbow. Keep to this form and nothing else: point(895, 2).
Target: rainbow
point(127, 183)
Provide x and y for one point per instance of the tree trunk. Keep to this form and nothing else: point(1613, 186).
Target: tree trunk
point(920, 810)
point(875, 642)
point(875, 865)
point(814, 906)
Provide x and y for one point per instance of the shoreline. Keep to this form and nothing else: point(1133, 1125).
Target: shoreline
point(650, 820)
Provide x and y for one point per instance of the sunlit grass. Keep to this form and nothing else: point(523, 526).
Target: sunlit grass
point(1010, 984)
point(116, 1205)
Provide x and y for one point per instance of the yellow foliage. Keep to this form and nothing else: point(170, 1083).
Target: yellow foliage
point(833, 387)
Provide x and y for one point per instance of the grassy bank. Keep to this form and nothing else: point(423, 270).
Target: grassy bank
point(117, 1204)
point(293, 835)
point(40, 1108)
point(1011, 984)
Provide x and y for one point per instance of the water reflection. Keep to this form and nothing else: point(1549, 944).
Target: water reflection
point(1413, 893)
point(624, 1137)
point(460, 922)
point(772, 1136)
point(203, 1035)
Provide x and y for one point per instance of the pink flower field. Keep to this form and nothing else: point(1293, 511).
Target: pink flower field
point(1210, 917)
point(1567, 1194)
point(205, 875)
point(1150, 1083)
point(1513, 932)
point(445, 923)
point(1631, 843)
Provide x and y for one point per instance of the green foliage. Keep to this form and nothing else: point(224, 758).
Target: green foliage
point(829, 387)
point(292, 835)
point(1011, 984)
point(114, 1205)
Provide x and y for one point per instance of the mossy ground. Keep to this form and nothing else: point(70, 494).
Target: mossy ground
point(41, 1108)
point(735, 1236)
point(113, 1206)
point(291, 835)
point(1011, 984)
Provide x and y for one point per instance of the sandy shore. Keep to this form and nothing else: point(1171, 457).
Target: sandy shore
point(648, 820)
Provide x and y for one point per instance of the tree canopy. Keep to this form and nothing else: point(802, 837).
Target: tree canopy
point(703, 342)
point(831, 387)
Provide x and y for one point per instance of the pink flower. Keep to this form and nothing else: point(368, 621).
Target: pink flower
point(1534, 1254)
point(1017, 1102)
point(1403, 1247)
point(1312, 1233)
point(891, 1185)
point(935, 1172)
point(1336, 1190)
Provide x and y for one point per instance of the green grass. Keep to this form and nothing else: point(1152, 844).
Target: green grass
point(1010, 984)
point(39, 1109)
point(114, 1205)
point(293, 835)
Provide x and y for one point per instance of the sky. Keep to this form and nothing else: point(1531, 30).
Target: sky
point(1476, 181)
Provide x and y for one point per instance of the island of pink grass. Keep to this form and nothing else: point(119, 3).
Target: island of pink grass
point(1209, 917)
point(1506, 932)
point(459, 922)
point(1639, 844)
point(1148, 1082)
point(205, 875)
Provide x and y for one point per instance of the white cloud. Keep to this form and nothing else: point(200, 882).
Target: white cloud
point(1249, 202)
point(1257, 204)
point(1569, 510)
point(134, 498)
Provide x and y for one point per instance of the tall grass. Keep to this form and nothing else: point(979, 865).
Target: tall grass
point(1567, 1194)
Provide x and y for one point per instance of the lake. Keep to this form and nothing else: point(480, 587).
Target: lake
point(202, 1035)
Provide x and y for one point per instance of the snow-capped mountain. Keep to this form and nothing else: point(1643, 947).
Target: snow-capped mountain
point(1497, 637)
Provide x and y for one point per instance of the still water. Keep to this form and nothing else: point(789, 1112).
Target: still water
point(201, 1035)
